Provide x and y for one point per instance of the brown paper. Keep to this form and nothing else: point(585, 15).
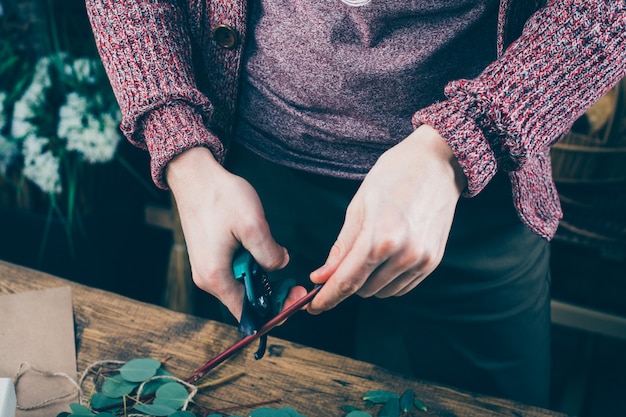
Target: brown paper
point(36, 341)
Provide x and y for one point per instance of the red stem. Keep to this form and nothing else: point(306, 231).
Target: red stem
point(282, 316)
point(212, 363)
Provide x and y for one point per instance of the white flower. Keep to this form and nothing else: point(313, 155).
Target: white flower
point(83, 70)
point(29, 105)
point(96, 138)
point(8, 149)
point(41, 167)
point(3, 118)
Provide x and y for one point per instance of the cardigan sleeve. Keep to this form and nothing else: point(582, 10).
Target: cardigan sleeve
point(146, 52)
point(570, 53)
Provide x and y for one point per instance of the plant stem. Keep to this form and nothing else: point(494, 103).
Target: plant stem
point(282, 316)
point(211, 364)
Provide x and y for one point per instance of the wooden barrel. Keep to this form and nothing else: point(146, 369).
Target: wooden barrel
point(594, 151)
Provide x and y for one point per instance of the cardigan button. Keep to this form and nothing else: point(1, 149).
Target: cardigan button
point(225, 36)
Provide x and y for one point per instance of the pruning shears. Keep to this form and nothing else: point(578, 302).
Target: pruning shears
point(260, 303)
point(258, 296)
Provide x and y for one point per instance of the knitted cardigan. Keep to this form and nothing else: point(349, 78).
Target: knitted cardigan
point(178, 89)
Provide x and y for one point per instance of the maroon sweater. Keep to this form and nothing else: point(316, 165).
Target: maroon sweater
point(178, 88)
point(327, 88)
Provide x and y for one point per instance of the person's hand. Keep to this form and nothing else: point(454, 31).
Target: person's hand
point(219, 212)
point(397, 224)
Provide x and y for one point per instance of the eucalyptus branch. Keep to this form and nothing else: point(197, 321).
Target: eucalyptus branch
point(281, 317)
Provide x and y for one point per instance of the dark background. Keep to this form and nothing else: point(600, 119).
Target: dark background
point(118, 250)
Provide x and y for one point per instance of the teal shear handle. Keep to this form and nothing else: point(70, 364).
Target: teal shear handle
point(259, 305)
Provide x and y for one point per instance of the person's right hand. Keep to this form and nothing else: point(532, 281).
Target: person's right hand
point(219, 212)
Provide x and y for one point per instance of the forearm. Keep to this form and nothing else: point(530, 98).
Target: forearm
point(146, 51)
point(569, 54)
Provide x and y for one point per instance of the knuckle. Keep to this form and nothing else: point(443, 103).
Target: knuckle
point(383, 250)
point(346, 288)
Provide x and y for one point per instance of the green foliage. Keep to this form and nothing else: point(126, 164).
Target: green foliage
point(117, 386)
point(393, 405)
point(140, 369)
point(116, 390)
point(358, 413)
point(166, 397)
point(379, 396)
point(275, 412)
point(407, 401)
point(172, 395)
point(390, 409)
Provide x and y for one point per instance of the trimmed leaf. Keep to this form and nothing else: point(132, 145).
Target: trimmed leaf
point(379, 396)
point(140, 369)
point(80, 410)
point(99, 401)
point(172, 395)
point(420, 405)
point(269, 412)
point(406, 400)
point(358, 413)
point(117, 387)
point(347, 408)
point(154, 409)
point(291, 412)
point(390, 409)
point(153, 385)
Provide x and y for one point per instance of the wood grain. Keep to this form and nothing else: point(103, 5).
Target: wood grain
point(316, 383)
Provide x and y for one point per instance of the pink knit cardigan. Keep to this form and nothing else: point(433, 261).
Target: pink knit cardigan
point(177, 88)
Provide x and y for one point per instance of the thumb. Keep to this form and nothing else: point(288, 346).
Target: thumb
point(270, 255)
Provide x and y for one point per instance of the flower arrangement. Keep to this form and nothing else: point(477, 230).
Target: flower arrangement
point(64, 119)
point(59, 136)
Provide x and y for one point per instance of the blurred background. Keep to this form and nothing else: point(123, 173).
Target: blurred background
point(76, 200)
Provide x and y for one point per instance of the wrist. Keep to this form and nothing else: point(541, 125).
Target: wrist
point(189, 164)
point(442, 151)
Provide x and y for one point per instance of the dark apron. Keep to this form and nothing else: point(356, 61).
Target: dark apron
point(480, 322)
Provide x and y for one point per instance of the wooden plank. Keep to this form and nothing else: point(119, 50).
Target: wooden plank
point(316, 383)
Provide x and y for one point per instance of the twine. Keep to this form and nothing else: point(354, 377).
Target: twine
point(25, 366)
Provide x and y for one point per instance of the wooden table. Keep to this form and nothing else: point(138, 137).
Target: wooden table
point(314, 382)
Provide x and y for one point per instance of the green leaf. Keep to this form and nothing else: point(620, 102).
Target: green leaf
point(390, 409)
point(152, 386)
point(154, 409)
point(140, 369)
point(80, 410)
point(116, 386)
point(358, 413)
point(99, 401)
point(406, 400)
point(379, 396)
point(347, 408)
point(213, 415)
point(172, 395)
point(420, 405)
point(185, 413)
point(291, 412)
point(106, 415)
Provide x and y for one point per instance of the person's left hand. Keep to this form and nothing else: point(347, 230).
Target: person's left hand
point(397, 224)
